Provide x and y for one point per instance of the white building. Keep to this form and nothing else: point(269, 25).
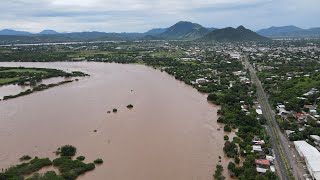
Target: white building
point(256, 148)
point(201, 81)
point(311, 156)
point(259, 111)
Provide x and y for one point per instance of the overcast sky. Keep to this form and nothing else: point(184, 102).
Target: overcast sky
point(142, 15)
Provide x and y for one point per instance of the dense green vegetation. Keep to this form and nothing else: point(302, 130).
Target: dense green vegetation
point(289, 91)
point(289, 72)
point(18, 171)
point(68, 150)
point(69, 169)
point(218, 173)
point(30, 76)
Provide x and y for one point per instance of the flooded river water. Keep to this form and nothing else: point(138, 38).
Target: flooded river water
point(170, 134)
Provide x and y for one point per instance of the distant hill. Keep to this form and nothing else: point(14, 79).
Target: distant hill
point(10, 32)
point(289, 32)
point(155, 31)
point(182, 30)
point(185, 30)
point(269, 32)
point(230, 34)
point(48, 32)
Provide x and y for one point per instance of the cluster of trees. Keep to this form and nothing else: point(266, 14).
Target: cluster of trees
point(18, 171)
point(248, 127)
point(67, 150)
point(218, 173)
point(231, 149)
point(69, 169)
point(38, 56)
point(288, 91)
point(22, 75)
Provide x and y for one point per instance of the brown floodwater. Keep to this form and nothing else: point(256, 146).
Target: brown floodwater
point(170, 133)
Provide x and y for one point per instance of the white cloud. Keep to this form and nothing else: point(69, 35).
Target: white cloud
point(140, 15)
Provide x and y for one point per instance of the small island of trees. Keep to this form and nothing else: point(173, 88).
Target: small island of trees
point(130, 106)
point(69, 169)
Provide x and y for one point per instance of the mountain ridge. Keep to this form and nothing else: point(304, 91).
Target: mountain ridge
point(185, 30)
point(182, 30)
point(230, 34)
point(289, 31)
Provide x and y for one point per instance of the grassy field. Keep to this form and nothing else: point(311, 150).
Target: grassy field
point(24, 71)
point(8, 80)
point(13, 75)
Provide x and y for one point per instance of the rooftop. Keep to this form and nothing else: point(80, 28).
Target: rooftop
point(259, 111)
point(263, 161)
point(311, 156)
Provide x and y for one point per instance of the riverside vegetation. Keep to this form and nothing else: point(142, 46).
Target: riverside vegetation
point(33, 76)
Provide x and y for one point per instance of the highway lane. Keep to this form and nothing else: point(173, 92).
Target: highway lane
point(272, 127)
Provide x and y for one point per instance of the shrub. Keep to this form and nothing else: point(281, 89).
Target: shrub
point(230, 148)
point(220, 120)
point(227, 128)
point(226, 138)
point(68, 150)
point(130, 106)
point(16, 172)
point(212, 97)
point(66, 165)
point(25, 158)
point(231, 166)
point(218, 173)
point(236, 140)
point(81, 158)
point(237, 160)
point(98, 161)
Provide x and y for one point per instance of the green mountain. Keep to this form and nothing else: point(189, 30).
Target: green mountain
point(185, 30)
point(289, 32)
point(230, 34)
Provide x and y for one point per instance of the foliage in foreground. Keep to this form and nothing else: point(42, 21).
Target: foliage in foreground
point(69, 169)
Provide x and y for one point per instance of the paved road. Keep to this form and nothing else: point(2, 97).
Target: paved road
point(279, 144)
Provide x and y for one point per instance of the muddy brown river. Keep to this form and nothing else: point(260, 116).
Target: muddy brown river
point(170, 134)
